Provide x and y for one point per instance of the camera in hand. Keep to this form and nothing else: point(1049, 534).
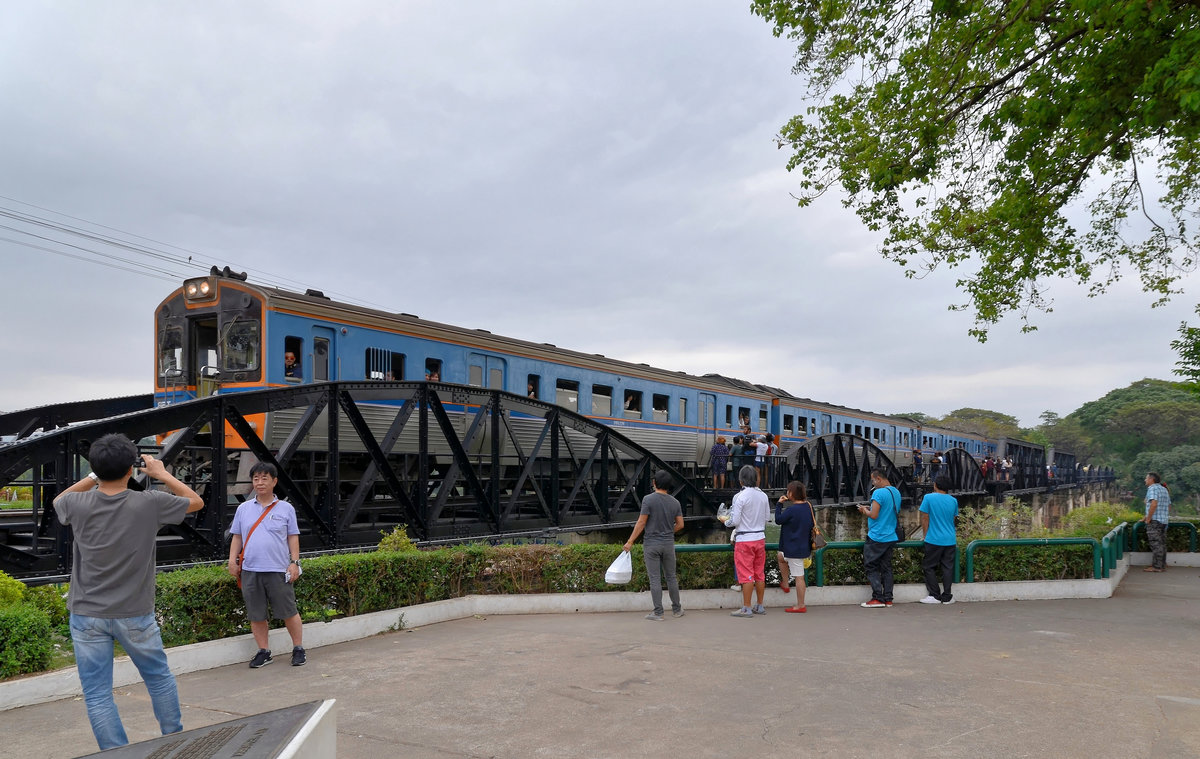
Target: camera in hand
point(139, 463)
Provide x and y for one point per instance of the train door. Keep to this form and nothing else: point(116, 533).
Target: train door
point(204, 339)
point(706, 420)
point(482, 367)
point(826, 424)
point(323, 359)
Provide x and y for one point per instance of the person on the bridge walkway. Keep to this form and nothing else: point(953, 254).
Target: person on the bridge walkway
point(112, 580)
point(762, 447)
point(918, 464)
point(719, 461)
point(935, 465)
point(1158, 511)
point(661, 517)
point(737, 454)
point(882, 516)
point(938, 510)
point(264, 555)
point(794, 515)
point(751, 508)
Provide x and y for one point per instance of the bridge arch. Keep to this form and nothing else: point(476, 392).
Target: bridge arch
point(836, 469)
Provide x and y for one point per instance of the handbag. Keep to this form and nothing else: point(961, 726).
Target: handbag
point(818, 540)
point(621, 570)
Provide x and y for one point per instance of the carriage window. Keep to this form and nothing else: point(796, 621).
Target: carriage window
point(475, 376)
point(683, 410)
point(875, 433)
point(743, 417)
point(633, 404)
point(241, 345)
point(802, 425)
point(787, 423)
point(533, 386)
point(858, 430)
point(170, 353)
point(567, 394)
point(384, 365)
point(728, 415)
point(762, 420)
point(601, 400)
point(433, 370)
point(661, 405)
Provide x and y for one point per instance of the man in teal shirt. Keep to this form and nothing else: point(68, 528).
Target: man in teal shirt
point(882, 515)
point(938, 510)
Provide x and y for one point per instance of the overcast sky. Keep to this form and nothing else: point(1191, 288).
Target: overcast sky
point(601, 176)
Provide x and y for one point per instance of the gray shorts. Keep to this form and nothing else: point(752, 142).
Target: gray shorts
point(260, 587)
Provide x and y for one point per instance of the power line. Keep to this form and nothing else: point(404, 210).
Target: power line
point(269, 279)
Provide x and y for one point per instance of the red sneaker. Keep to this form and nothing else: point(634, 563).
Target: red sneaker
point(796, 609)
point(874, 604)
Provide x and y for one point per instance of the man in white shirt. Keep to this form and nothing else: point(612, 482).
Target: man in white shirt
point(751, 510)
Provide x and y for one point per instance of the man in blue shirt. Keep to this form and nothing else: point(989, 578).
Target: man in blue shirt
point(882, 515)
point(1158, 509)
point(938, 510)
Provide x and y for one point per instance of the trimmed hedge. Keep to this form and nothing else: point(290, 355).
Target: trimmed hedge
point(205, 604)
point(24, 639)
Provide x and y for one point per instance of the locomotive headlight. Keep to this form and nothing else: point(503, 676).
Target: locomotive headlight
point(199, 289)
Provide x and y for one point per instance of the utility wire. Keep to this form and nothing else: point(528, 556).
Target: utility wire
point(269, 279)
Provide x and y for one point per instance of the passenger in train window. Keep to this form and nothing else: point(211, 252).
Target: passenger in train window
point(720, 459)
point(291, 367)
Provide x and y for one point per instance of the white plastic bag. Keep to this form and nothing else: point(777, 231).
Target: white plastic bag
point(621, 570)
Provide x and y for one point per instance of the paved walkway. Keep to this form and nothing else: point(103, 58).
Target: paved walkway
point(1083, 678)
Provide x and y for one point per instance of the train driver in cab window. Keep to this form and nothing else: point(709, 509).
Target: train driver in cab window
point(291, 367)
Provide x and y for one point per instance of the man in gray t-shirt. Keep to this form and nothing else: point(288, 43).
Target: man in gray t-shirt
point(661, 517)
point(112, 580)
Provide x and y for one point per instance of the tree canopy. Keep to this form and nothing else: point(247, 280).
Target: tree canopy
point(1013, 142)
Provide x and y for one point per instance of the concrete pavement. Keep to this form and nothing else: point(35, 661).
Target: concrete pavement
point(1113, 677)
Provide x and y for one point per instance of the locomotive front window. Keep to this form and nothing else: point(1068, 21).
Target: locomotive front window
point(241, 346)
point(170, 353)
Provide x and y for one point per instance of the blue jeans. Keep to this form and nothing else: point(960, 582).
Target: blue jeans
point(139, 636)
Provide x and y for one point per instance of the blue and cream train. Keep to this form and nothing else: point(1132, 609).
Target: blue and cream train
point(222, 334)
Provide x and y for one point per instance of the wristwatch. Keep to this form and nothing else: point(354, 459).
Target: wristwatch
point(296, 562)
point(95, 477)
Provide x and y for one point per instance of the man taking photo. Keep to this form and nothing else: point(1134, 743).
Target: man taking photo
point(112, 580)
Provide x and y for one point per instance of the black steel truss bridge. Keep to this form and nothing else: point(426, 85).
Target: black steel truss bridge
point(446, 463)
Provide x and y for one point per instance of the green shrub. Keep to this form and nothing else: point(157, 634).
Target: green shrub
point(1004, 563)
point(24, 639)
point(50, 599)
point(396, 540)
point(1096, 521)
point(11, 589)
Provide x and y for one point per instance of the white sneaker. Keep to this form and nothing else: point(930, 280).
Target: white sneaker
point(736, 587)
point(930, 600)
point(948, 602)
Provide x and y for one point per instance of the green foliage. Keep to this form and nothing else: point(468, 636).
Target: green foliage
point(396, 540)
point(24, 639)
point(1178, 538)
point(11, 589)
point(1001, 563)
point(1012, 519)
point(1095, 416)
point(974, 134)
point(50, 599)
point(979, 421)
point(1178, 467)
point(1097, 520)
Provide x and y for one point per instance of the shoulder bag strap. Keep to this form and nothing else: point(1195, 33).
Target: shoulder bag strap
point(246, 539)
